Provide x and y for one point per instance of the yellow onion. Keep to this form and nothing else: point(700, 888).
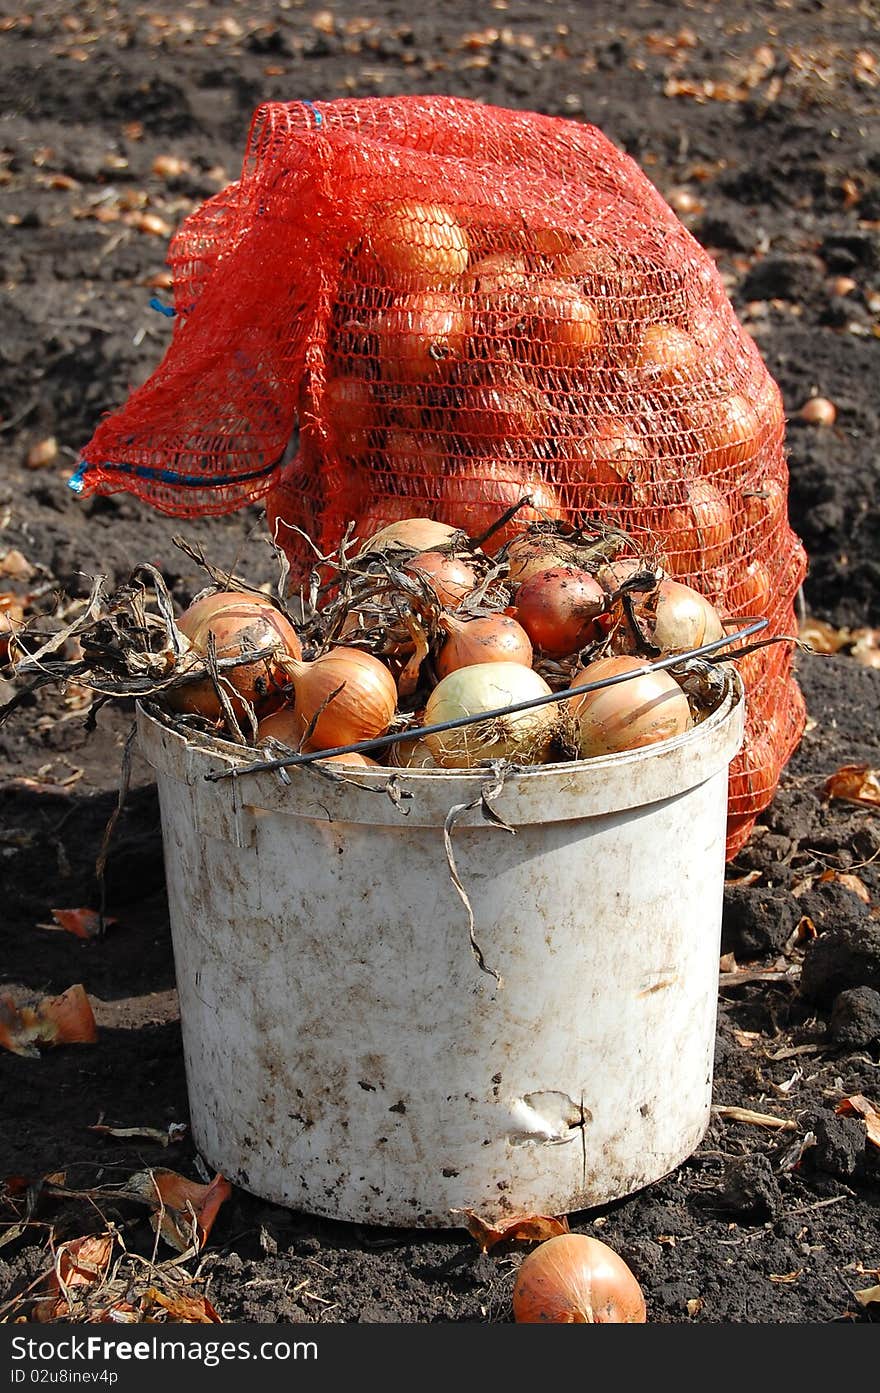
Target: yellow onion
point(416, 534)
point(422, 244)
point(697, 532)
point(239, 622)
point(540, 551)
point(628, 715)
point(678, 617)
point(573, 1279)
point(490, 638)
point(411, 754)
point(359, 693)
point(525, 737)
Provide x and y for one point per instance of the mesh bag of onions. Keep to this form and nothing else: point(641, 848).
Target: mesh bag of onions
point(448, 306)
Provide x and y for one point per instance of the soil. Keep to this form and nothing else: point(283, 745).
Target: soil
point(759, 123)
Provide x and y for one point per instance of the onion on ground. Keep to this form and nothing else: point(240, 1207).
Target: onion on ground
point(573, 1279)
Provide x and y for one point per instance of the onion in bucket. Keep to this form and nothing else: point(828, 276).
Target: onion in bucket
point(627, 715)
point(526, 737)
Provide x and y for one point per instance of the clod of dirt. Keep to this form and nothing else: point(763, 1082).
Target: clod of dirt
point(795, 278)
point(840, 959)
point(833, 906)
point(855, 1019)
point(750, 1189)
point(756, 922)
point(839, 1148)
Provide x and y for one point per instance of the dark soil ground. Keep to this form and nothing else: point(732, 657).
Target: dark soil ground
point(759, 123)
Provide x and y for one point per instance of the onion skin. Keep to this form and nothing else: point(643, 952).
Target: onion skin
point(576, 1280)
point(490, 638)
point(11, 616)
point(559, 608)
point(525, 738)
point(237, 621)
point(629, 715)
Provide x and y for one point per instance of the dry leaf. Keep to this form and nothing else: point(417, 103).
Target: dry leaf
point(746, 1039)
point(520, 1228)
point(786, 1278)
point(80, 1263)
point(854, 783)
point(757, 1119)
point(727, 963)
point(859, 1106)
point(175, 1132)
point(181, 1205)
point(749, 878)
point(193, 1310)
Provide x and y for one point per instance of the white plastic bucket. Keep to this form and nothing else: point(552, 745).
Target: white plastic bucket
point(345, 1053)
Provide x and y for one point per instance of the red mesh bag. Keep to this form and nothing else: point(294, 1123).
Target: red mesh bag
point(457, 304)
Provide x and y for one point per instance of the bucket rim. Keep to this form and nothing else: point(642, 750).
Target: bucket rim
point(562, 790)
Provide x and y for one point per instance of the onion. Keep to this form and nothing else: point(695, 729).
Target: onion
point(413, 453)
point(490, 638)
point(576, 1280)
point(526, 737)
point(728, 432)
point(478, 493)
point(421, 337)
point(495, 416)
point(604, 450)
point(239, 622)
point(611, 575)
point(669, 354)
point(411, 754)
point(497, 275)
point(362, 709)
point(558, 609)
point(629, 715)
point(698, 531)
point(285, 727)
point(417, 534)
point(678, 618)
point(764, 507)
point(529, 554)
point(559, 324)
point(751, 592)
point(818, 411)
point(450, 577)
point(419, 242)
point(351, 412)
